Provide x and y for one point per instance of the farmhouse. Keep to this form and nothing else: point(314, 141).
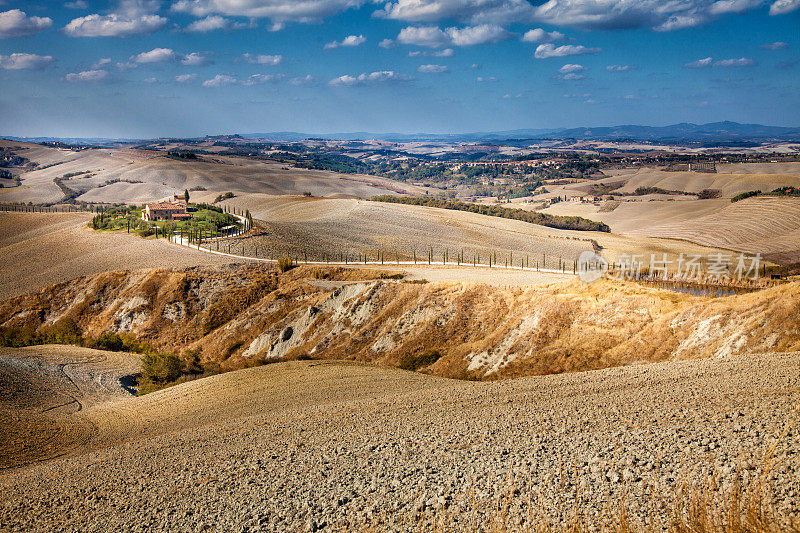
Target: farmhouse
point(165, 211)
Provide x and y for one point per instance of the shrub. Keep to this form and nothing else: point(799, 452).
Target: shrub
point(415, 362)
point(285, 264)
point(63, 331)
point(158, 371)
point(387, 275)
point(119, 342)
point(742, 196)
point(707, 194)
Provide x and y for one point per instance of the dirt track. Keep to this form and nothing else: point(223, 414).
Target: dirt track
point(332, 446)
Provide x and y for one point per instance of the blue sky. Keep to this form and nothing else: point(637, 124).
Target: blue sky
point(149, 68)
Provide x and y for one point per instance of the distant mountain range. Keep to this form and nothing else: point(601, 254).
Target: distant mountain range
point(708, 134)
point(684, 132)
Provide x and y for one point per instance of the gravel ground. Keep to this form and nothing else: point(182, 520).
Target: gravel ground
point(306, 446)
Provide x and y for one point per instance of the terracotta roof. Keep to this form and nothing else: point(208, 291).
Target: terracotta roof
point(166, 206)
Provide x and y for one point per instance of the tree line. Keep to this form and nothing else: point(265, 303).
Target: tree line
point(533, 217)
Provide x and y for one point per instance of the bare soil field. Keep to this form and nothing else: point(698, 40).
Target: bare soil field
point(766, 225)
point(769, 226)
point(42, 388)
point(739, 180)
point(311, 226)
point(42, 249)
point(334, 446)
point(135, 176)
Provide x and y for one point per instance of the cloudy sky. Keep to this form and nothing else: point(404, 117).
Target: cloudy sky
point(148, 68)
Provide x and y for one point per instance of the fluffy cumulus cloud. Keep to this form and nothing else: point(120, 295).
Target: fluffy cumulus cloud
point(656, 14)
point(434, 37)
point(168, 55)
point(19, 61)
point(156, 55)
point(571, 67)
point(220, 80)
point(132, 17)
point(276, 10)
point(621, 68)
point(86, 76)
point(349, 41)
point(707, 62)
point(538, 35)
point(262, 59)
point(571, 72)
point(381, 76)
point(15, 23)
point(432, 69)
point(781, 7)
point(471, 11)
point(544, 51)
point(216, 22)
point(196, 59)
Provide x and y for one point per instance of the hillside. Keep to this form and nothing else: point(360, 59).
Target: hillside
point(130, 175)
point(332, 446)
point(239, 316)
point(766, 225)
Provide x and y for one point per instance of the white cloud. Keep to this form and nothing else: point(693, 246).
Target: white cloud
point(210, 23)
point(434, 37)
point(219, 80)
point(657, 14)
point(481, 79)
point(262, 59)
point(781, 7)
point(621, 68)
point(740, 62)
point(700, 63)
point(430, 36)
point(259, 79)
point(19, 61)
point(156, 55)
point(472, 35)
point(150, 80)
point(114, 25)
point(709, 62)
point(185, 78)
point(276, 10)
point(447, 52)
point(77, 4)
point(386, 43)
point(432, 69)
point(571, 76)
point(470, 11)
point(381, 76)
point(350, 40)
point(778, 45)
point(196, 59)
point(86, 76)
point(15, 23)
point(538, 35)
point(544, 51)
point(308, 79)
point(571, 67)
point(101, 62)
